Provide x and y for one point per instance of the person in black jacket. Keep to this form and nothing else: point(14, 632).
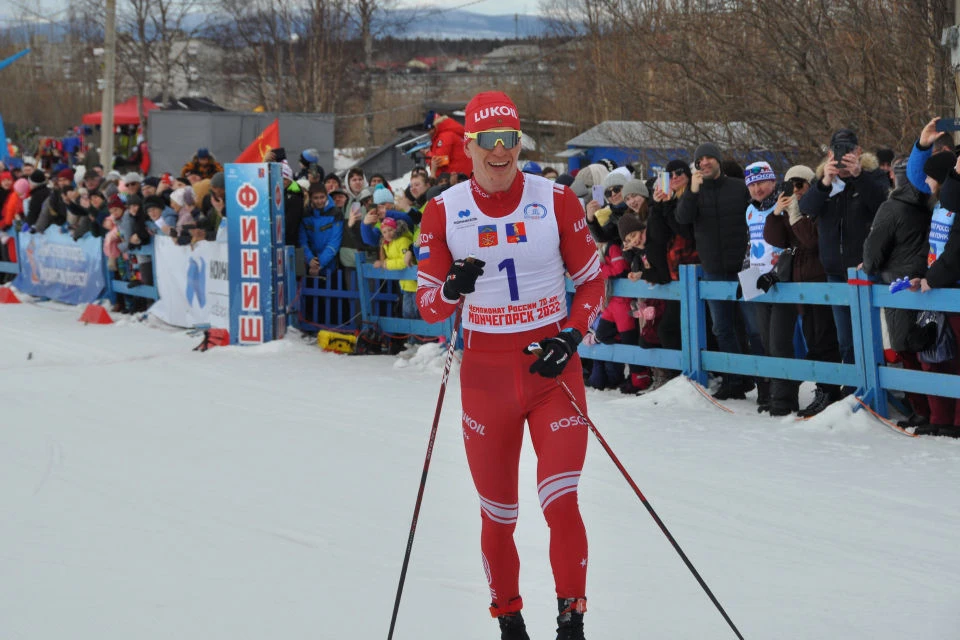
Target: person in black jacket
point(39, 192)
point(843, 201)
point(715, 205)
point(897, 247)
point(669, 244)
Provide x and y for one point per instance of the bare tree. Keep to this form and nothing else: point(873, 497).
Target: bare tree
point(287, 54)
point(793, 70)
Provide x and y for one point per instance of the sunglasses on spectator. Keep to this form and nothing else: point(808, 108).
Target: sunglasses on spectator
point(798, 183)
point(612, 190)
point(676, 173)
point(753, 171)
point(488, 139)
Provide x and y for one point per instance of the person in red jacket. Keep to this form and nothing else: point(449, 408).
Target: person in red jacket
point(499, 247)
point(447, 153)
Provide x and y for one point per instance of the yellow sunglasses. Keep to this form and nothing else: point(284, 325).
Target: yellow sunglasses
point(488, 139)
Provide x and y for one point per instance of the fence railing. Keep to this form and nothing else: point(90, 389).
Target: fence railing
point(373, 300)
point(349, 299)
point(869, 375)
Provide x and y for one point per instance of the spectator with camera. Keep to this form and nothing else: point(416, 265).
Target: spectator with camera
point(54, 209)
point(310, 166)
point(370, 229)
point(602, 220)
point(929, 142)
point(786, 228)
point(669, 244)
point(162, 219)
point(843, 201)
point(943, 271)
point(715, 204)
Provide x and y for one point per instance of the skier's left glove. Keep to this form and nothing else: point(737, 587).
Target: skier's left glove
point(554, 353)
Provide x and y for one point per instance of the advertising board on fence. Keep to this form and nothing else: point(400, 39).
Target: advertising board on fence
point(58, 267)
point(192, 283)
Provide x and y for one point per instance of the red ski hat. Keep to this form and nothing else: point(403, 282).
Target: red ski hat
point(491, 110)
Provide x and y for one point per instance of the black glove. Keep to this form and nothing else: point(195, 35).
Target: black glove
point(555, 353)
point(462, 278)
point(767, 280)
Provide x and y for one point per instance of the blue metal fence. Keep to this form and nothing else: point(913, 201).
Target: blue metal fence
point(378, 306)
point(870, 376)
point(347, 299)
point(124, 287)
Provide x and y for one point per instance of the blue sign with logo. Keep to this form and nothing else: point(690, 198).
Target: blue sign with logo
point(57, 267)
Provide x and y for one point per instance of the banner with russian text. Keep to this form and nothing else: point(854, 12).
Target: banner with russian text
point(56, 266)
point(193, 283)
point(253, 263)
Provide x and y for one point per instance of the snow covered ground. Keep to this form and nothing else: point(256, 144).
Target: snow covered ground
point(154, 492)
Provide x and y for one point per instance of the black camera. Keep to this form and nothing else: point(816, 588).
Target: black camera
point(787, 188)
point(840, 150)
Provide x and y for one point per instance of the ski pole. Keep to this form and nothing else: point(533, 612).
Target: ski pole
point(643, 499)
point(451, 347)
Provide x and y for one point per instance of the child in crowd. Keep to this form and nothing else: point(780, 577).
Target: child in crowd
point(396, 253)
point(116, 264)
point(383, 199)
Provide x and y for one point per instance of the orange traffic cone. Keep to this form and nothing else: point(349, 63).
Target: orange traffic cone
point(95, 314)
point(7, 296)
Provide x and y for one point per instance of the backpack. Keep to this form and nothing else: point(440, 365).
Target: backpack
point(336, 342)
point(944, 344)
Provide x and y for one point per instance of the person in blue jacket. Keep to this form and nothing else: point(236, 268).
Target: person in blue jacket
point(930, 142)
point(370, 229)
point(321, 232)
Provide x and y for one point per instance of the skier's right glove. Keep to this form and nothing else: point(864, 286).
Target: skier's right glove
point(462, 277)
point(554, 353)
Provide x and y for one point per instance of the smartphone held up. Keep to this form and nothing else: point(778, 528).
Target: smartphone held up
point(948, 124)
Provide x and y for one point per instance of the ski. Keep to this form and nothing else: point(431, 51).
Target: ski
point(706, 394)
point(892, 425)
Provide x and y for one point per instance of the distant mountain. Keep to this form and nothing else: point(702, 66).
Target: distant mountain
point(433, 23)
point(456, 24)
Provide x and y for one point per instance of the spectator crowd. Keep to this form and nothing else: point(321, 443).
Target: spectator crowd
point(892, 218)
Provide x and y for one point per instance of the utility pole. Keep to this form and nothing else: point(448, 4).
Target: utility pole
point(109, 90)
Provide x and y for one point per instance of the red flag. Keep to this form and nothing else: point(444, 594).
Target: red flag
point(268, 140)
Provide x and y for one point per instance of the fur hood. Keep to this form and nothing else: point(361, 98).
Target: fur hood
point(868, 161)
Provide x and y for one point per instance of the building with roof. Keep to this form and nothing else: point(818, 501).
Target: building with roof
point(650, 145)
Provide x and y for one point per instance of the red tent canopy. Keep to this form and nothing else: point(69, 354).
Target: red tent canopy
point(123, 113)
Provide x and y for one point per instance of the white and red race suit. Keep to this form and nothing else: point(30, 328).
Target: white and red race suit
point(530, 237)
